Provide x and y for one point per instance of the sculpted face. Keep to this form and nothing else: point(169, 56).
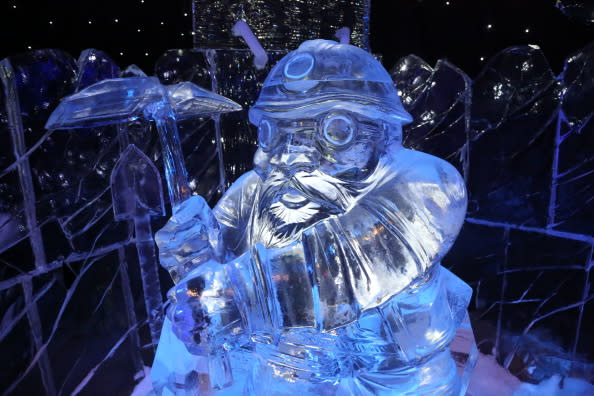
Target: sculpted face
point(312, 168)
point(326, 114)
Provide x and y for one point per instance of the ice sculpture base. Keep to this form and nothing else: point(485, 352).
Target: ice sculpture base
point(264, 369)
point(465, 353)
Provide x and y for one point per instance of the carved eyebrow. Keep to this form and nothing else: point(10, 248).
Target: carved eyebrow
point(296, 124)
point(370, 128)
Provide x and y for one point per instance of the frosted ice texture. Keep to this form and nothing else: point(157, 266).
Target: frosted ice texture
point(318, 272)
point(278, 25)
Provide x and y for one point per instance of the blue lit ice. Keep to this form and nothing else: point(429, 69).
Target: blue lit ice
point(318, 273)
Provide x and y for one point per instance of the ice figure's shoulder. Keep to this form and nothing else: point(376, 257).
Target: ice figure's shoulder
point(430, 193)
point(415, 169)
point(240, 194)
point(246, 184)
point(248, 179)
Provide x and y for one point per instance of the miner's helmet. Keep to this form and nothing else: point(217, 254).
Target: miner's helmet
point(325, 75)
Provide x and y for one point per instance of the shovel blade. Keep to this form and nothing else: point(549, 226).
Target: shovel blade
point(136, 186)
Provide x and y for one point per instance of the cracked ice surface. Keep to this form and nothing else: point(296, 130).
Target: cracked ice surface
point(69, 284)
point(72, 306)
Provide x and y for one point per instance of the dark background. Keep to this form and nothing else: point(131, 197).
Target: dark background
point(456, 29)
point(531, 275)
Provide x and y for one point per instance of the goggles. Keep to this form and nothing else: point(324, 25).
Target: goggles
point(334, 131)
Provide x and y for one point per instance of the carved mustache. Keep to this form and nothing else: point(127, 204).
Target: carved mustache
point(332, 194)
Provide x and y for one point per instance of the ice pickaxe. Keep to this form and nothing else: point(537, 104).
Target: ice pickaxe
point(119, 100)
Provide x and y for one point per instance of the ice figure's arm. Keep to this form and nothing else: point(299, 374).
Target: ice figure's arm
point(195, 234)
point(355, 261)
point(189, 238)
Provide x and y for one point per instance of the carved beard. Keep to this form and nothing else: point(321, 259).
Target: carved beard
point(289, 205)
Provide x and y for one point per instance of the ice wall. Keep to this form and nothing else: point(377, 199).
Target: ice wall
point(70, 293)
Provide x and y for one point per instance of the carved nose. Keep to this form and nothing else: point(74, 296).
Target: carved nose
point(298, 154)
point(294, 160)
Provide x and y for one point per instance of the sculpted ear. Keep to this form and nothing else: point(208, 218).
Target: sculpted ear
point(393, 134)
point(261, 163)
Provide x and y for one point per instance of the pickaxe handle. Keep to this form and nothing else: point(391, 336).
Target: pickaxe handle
point(173, 159)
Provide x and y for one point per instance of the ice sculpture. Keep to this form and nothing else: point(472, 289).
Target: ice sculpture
point(318, 272)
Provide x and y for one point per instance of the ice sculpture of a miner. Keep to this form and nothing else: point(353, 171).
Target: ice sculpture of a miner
point(318, 272)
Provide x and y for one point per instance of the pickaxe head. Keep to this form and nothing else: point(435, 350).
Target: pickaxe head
point(120, 100)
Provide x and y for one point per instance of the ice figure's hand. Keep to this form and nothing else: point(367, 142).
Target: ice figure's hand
point(203, 313)
point(190, 238)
